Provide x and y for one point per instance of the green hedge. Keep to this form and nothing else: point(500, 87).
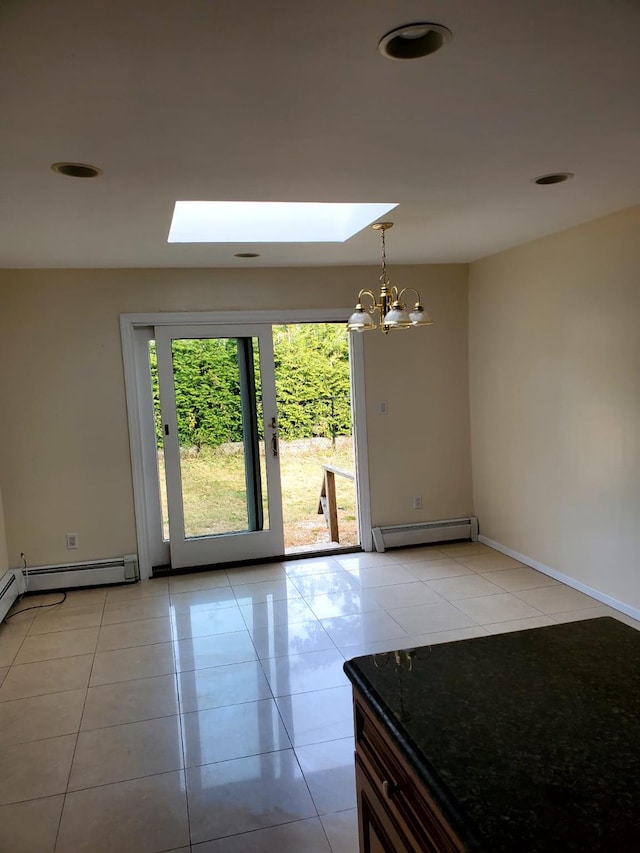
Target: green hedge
point(312, 386)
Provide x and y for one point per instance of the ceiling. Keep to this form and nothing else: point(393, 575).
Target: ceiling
point(277, 100)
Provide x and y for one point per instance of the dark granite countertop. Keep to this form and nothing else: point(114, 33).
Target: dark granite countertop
point(529, 741)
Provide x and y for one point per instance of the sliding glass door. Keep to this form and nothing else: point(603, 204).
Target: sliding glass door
point(218, 431)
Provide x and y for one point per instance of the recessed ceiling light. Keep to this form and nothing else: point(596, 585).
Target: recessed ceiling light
point(76, 170)
point(251, 222)
point(413, 41)
point(247, 255)
point(553, 178)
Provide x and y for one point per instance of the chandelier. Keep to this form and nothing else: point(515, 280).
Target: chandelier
point(389, 309)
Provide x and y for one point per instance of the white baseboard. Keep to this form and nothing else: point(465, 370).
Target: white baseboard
point(634, 612)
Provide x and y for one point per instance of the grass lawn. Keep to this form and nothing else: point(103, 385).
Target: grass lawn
point(214, 491)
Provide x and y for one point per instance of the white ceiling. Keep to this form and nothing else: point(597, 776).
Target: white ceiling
point(289, 100)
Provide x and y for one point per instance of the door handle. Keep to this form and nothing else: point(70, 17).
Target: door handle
point(274, 437)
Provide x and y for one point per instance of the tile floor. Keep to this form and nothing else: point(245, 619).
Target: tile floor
point(210, 713)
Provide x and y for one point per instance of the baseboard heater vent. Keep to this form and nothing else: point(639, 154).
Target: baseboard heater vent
point(96, 573)
point(421, 534)
point(11, 586)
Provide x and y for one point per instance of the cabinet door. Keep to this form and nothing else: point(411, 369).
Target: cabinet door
point(379, 832)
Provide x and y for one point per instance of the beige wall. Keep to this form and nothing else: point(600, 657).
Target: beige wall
point(554, 353)
point(64, 455)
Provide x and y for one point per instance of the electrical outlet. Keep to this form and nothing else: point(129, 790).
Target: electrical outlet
point(72, 541)
point(417, 501)
point(383, 408)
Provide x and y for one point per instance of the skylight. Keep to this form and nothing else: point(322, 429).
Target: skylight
point(270, 221)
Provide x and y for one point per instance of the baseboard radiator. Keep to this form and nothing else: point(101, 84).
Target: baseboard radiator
point(96, 573)
point(11, 586)
point(448, 530)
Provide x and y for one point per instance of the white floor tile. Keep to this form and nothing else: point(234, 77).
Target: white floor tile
point(320, 715)
point(302, 673)
point(582, 613)
point(46, 621)
point(417, 554)
point(378, 647)
point(520, 624)
point(132, 663)
point(52, 676)
point(61, 644)
point(431, 618)
point(130, 702)
point(30, 827)
point(385, 575)
point(556, 599)
point(274, 590)
point(311, 566)
point(203, 652)
point(452, 636)
point(301, 836)
point(36, 769)
point(246, 794)
point(233, 731)
point(489, 561)
point(286, 611)
point(198, 580)
point(342, 830)
point(405, 595)
point(38, 717)
point(513, 580)
point(118, 753)
point(433, 569)
point(285, 640)
point(329, 770)
point(132, 611)
point(353, 562)
point(203, 599)
point(496, 608)
point(218, 686)
point(144, 632)
point(344, 603)
point(464, 586)
point(138, 816)
point(207, 623)
point(255, 574)
point(334, 582)
point(362, 628)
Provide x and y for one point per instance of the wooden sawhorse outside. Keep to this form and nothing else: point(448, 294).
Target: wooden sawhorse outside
point(327, 505)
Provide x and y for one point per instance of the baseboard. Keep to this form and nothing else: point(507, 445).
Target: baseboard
point(634, 612)
point(424, 533)
point(11, 587)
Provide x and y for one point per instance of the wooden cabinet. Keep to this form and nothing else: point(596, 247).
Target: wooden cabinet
point(395, 813)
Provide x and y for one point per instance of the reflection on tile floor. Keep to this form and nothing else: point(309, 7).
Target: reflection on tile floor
point(209, 712)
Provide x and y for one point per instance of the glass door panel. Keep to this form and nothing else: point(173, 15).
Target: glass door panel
point(222, 476)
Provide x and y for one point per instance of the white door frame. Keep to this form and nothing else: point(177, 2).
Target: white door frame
point(136, 399)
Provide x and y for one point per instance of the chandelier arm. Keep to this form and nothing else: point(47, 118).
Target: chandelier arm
point(413, 290)
point(372, 297)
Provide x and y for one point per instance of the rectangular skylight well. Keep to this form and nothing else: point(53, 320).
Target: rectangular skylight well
point(270, 221)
